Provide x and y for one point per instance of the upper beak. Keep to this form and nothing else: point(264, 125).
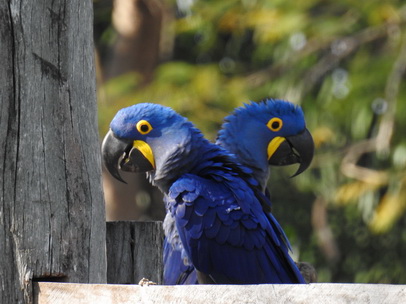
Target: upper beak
point(292, 149)
point(126, 155)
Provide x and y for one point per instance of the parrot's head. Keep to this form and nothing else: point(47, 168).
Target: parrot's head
point(270, 132)
point(143, 137)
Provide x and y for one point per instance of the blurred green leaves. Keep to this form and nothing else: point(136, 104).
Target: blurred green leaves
point(344, 63)
point(200, 92)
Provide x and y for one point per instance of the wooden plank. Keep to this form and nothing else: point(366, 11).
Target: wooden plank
point(52, 219)
point(134, 251)
point(61, 293)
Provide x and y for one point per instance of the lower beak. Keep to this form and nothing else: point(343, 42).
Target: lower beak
point(299, 148)
point(126, 155)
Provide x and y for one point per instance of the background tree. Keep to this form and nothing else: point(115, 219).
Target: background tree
point(344, 63)
point(133, 29)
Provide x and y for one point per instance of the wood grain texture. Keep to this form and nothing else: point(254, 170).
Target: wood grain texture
point(134, 251)
point(60, 293)
point(51, 203)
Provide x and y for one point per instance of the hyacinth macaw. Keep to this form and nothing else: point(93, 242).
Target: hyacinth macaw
point(259, 135)
point(276, 128)
point(216, 204)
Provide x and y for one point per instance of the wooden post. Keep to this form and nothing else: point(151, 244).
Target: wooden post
point(51, 204)
point(327, 293)
point(134, 251)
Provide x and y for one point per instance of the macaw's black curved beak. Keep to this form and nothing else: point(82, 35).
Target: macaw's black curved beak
point(124, 154)
point(294, 149)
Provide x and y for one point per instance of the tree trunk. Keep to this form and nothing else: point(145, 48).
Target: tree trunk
point(136, 50)
point(138, 24)
point(51, 204)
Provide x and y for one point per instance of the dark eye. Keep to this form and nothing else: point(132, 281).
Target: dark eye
point(275, 124)
point(144, 127)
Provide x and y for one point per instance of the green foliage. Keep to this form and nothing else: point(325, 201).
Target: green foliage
point(200, 92)
point(344, 62)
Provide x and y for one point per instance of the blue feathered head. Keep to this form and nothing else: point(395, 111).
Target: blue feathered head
point(270, 132)
point(148, 137)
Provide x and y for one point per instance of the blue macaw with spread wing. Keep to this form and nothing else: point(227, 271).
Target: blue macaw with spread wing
point(259, 135)
point(216, 204)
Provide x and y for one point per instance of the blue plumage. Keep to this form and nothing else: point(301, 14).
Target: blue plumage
point(214, 201)
point(245, 134)
point(241, 231)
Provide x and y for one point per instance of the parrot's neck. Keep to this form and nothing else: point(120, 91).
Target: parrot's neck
point(196, 155)
point(190, 150)
point(255, 158)
point(261, 175)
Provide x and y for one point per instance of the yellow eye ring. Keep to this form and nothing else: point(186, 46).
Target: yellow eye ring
point(275, 124)
point(144, 127)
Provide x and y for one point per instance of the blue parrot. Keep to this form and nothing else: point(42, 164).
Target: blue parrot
point(216, 204)
point(259, 135)
point(264, 133)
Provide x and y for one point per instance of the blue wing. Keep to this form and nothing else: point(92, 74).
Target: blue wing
point(226, 234)
point(178, 269)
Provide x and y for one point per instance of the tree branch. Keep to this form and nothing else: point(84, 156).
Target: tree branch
point(386, 126)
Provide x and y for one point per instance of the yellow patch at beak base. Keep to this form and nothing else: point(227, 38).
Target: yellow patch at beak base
point(145, 150)
point(274, 145)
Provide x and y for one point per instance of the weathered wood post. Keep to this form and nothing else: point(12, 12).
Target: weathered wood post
point(52, 224)
point(134, 251)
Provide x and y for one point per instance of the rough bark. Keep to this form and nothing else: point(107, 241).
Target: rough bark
point(51, 204)
point(134, 251)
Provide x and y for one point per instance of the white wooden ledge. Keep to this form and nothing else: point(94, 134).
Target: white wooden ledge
point(325, 293)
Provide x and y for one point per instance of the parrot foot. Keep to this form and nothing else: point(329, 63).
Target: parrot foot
point(146, 282)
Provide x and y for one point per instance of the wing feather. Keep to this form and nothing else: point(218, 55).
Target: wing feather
point(227, 235)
